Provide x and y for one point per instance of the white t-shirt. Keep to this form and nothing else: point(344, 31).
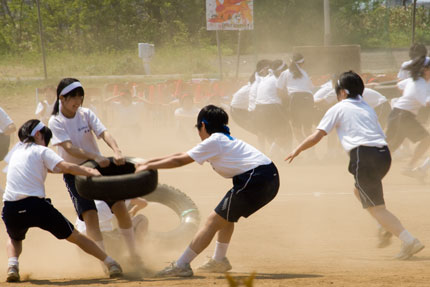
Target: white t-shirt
point(266, 92)
point(415, 95)
point(253, 92)
point(295, 85)
point(228, 157)
point(240, 99)
point(356, 124)
point(404, 74)
point(27, 171)
point(79, 130)
point(5, 120)
point(403, 83)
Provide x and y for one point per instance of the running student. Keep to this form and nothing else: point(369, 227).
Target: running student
point(73, 127)
point(255, 183)
point(403, 122)
point(7, 127)
point(362, 137)
point(25, 205)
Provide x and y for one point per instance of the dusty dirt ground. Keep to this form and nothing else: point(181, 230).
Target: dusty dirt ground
point(314, 233)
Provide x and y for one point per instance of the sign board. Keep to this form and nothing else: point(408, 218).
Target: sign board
point(229, 15)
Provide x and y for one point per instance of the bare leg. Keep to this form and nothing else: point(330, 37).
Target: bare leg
point(91, 220)
point(205, 235)
point(14, 248)
point(421, 148)
point(120, 211)
point(387, 220)
point(86, 245)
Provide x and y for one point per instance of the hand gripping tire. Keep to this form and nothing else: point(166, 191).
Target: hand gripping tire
point(118, 182)
point(4, 145)
point(183, 206)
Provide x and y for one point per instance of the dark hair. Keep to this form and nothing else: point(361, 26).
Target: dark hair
point(214, 118)
point(278, 66)
point(24, 132)
point(417, 50)
point(294, 68)
point(79, 91)
point(352, 83)
point(416, 68)
point(264, 63)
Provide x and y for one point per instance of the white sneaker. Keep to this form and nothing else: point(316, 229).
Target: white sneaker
point(384, 237)
point(114, 270)
point(213, 266)
point(173, 270)
point(408, 250)
point(12, 274)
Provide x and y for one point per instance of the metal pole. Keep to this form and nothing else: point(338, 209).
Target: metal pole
point(326, 22)
point(238, 55)
point(414, 11)
point(219, 54)
point(41, 39)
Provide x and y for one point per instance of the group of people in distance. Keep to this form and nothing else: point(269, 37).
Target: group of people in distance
point(271, 93)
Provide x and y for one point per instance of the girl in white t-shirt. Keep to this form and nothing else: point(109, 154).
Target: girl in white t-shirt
point(402, 121)
point(255, 183)
point(417, 50)
point(25, 205)
point(299, 86)
point(362, 137)
point(73, 129)
point(245, 97)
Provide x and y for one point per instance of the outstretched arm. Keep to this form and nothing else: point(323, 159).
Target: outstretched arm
point(118, 158)
point(172, 161)
point(309, 142)
point(67, 167)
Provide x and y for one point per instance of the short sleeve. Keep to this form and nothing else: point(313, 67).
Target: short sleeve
point(59, 133)
point(5, 120)
point(205, 150)
point(330, 119)
point(50, 158)
point(95, 124)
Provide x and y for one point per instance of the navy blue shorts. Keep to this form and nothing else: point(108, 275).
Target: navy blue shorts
point(369, 165)
point(81, 204)
point(19, 216)
point(251, 191)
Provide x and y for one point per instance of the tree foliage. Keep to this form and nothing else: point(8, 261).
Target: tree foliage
point(89, 26)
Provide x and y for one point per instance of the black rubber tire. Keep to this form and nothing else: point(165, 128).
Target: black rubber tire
point(184, 207)
point(118, 182)
point(4, 145)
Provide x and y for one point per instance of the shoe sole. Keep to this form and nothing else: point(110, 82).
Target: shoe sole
point(115, 275)
point(12, 279)
point(413, 252)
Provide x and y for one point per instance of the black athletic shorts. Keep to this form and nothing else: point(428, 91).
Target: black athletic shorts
point(81, 204)
point(302, 110)
point(369, 165)
point(403, 124)
point(20, 215)
point(251, 191)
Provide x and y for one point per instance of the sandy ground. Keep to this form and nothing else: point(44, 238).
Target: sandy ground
point(314, 233)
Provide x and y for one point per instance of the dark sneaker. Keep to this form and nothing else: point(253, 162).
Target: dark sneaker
point(384, 237)
point(408, 250)
point(213, 266)
point(174, 270)
point(12, 274)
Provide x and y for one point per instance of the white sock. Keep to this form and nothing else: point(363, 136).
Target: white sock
point(108, 260)
point(406, 237)
point(186, 257)
point(12, 261)
point(128, 235)
point(220, 251)
point(100, 244)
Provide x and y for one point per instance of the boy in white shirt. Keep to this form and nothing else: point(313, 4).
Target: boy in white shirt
point(255, 183)
point(362, 137)
point(25, 205)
